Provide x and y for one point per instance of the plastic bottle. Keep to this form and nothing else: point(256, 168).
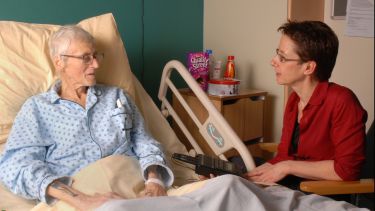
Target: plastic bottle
point(216, 72)
point(230, 71)
point(211, 61)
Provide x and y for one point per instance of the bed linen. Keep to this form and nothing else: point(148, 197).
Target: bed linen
point(232, 193)
point(121, 175)
point(114, 173)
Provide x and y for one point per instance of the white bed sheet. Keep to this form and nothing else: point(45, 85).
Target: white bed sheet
point(232, 193)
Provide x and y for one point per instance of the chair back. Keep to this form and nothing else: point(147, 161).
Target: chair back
point(367, 170)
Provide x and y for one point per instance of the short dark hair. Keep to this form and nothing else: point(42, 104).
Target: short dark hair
point(315, 41)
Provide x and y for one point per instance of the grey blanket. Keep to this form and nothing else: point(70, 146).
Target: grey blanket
point(232, 193)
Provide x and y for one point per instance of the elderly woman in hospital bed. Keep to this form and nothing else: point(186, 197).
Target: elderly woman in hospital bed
point(75, 123)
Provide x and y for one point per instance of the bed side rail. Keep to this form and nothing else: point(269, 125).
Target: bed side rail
point(216, 131)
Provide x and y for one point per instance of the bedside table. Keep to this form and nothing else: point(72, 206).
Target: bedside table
point(244, 113)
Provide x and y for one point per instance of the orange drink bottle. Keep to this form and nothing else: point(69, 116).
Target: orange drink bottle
point(230, 72)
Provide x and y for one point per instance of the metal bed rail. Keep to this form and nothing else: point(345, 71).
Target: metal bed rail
point(215, 129)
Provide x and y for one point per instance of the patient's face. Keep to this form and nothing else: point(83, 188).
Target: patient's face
point(76, 72)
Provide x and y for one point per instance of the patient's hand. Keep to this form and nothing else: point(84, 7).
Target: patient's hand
point(89, 202)
point(153, 189)
point(78, 199)
point(267, 173)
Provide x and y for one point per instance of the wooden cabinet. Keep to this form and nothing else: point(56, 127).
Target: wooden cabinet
point(244, 112)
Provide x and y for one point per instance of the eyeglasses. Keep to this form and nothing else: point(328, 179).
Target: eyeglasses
point(282, 58)
point(87, 58)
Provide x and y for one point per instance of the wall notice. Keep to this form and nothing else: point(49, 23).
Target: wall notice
point(360, 18)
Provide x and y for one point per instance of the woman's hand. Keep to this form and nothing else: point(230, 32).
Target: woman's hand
point(153, 189)
point(202, 177)
point(268, 172)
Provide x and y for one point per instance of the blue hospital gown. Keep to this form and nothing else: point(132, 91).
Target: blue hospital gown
point(53, 138)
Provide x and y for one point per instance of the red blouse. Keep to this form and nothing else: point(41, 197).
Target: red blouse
point(332, 128)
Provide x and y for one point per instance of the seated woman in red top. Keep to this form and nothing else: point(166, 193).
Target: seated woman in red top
point(324, 123)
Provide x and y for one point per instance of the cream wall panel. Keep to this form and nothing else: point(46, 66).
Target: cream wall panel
point(355, 63)
point(247, 29)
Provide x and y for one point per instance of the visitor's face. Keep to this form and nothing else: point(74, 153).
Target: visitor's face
point(286, 63)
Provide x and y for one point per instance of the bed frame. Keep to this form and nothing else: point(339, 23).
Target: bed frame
point(216, 131)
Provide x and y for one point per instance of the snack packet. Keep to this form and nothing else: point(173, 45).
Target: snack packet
point(198, 67)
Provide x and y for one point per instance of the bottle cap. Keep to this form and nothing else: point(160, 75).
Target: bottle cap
point(230, 57)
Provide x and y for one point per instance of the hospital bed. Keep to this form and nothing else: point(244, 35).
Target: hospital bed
point(25, 70)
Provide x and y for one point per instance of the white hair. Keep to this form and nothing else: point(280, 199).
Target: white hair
point(60, 40)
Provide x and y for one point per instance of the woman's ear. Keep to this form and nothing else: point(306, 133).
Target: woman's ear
point(310, 67)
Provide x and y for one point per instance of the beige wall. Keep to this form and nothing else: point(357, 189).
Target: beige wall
point(247, 29)
point(355, 63)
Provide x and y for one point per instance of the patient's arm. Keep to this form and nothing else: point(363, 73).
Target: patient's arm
point(78, 199)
